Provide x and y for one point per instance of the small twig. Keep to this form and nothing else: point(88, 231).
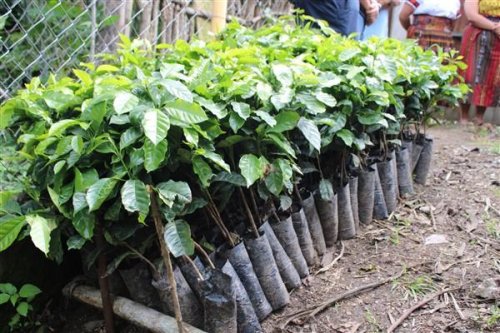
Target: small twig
point(330, 265)
point(457, 308)
point(416, 306)
point(156, 274)
point(195, 268)
point(431, 213)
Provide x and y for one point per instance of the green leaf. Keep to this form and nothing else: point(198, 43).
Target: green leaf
point(58, 128)
point(235, 122)
point(79, 202)
point(75, 242)
point(4, 298)
point(217, 110)
point(280, 141)
point(10, 227)
point(84, 180)
point(178, 238)
point(9, 204)
point(156, 125)
point(83, 76)
point(242, 109)
point(326, 189)
point(252, 168)
point(348, 54)
point(22, 309)
point(124, 102)
point(282, 98)
point(203, 170)
point(285, 202)
point(325, 98)
point(268, 119)
point(285, 121)
point(84, 223)
point(369, 117)
point(230, 177)
point(173, 191)
point(77, 144)
point(154, 155)
point(8, 288)
point(310, 132)
point(274, 180)
point(214, 157)
point(183, 113)
point(99, 192)
point(129, 137)
point(40, 231)
point(29, 290)
point(135, 198)
point(177, 89)
point(264, 91)
point(283, 74)
point(346, 136)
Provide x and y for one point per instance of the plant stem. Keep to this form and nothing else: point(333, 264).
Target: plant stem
point(274, 212)
point(249, 213)
point(200, 249)
point(319, 167)
point(254, 204)
point(155, 210)
point(156, 274)
point(297, 193)
point(107, 302)
point(195, 268)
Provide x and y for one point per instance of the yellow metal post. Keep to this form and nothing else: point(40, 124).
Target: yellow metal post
point(219, 13)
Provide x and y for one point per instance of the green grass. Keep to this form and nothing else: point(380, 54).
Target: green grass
point(494, 317)
point(492, 227)
point(372, 321)
point(414, 287)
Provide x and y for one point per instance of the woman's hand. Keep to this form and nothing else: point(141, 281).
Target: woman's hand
point(496, 30)
point(372, 13)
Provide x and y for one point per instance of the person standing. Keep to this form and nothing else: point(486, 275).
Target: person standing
point(341, 15)
point(380, 27)
point(433, 21)
point(481, 52)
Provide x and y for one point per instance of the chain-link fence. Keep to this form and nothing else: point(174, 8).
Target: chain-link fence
point(38, 37)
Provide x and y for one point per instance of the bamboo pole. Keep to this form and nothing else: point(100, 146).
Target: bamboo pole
point(219, 13)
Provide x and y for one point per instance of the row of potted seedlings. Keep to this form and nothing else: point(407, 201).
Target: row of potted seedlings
point(258, 150)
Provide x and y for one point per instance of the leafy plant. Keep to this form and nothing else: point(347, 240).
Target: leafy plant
point(20, 300)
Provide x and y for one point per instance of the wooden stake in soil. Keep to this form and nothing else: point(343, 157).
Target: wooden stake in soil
point(155, 210)
point(107, 302)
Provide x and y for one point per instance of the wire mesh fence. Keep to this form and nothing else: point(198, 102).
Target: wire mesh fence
point(38, 37)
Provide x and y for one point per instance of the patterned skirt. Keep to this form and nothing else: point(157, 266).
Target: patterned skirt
point(431, 31)
point(481, 52)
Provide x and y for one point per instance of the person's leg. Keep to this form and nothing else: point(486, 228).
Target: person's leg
point(464, 114)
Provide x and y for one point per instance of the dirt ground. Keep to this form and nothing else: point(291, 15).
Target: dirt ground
point(459, 208)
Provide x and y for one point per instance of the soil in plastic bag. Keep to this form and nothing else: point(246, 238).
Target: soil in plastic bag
point(408, 144)
point(267, 272)
point(394, 168)
point(405, 181)
point(238, 257)
point(366, 193)
point(379, 207)
point(301, 228)
point(219, 302)
point(387, 181)
point(138, 279)
point(245, 314)
point(328, 216)
point(353, 191)
point(288, 238)
point(314, 224)
point(347, 228)
point(415, 154)
point(424, 162)
point(191, 309)
point(287, 270)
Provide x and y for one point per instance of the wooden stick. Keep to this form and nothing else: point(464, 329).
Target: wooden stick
point(416, 306)
point(457, 308)
point(155, 210)
point(131, 311)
